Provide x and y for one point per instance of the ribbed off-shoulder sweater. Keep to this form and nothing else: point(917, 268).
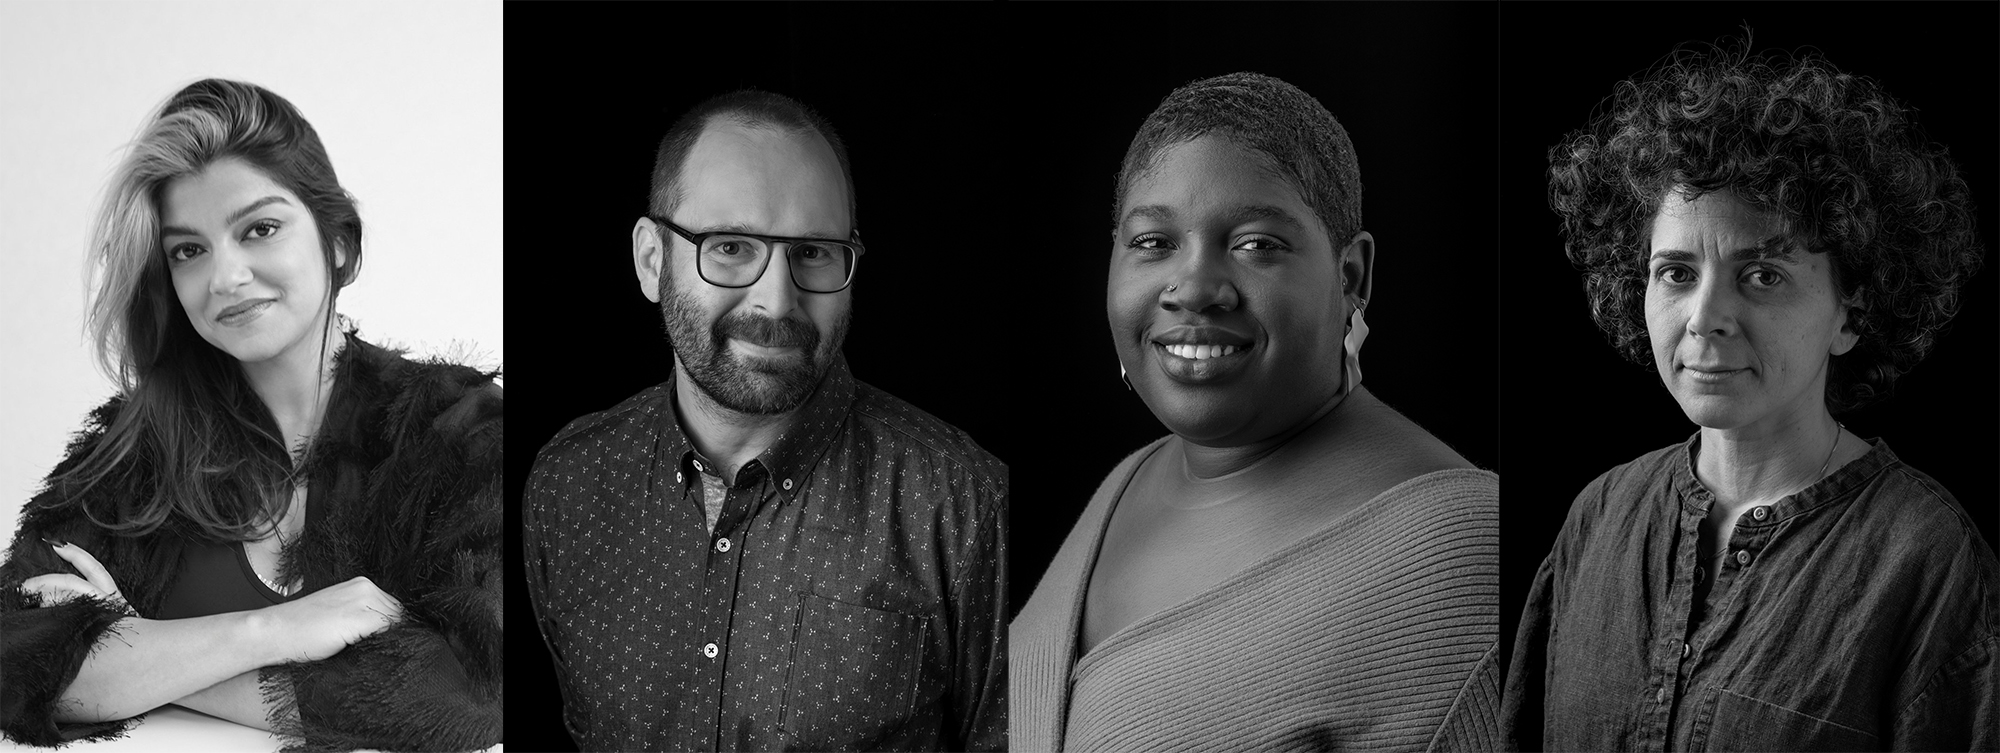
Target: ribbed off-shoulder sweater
point(1378, 632)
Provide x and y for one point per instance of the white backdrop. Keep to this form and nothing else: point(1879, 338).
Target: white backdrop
point(406, 97)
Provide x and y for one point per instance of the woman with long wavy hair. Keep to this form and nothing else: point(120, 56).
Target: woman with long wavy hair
point(273, 522)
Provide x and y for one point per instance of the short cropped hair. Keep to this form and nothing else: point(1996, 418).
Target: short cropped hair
point(1833, 156)
point(1304, 143)
point(749, 107)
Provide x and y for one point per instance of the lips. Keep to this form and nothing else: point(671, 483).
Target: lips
point(1202, 354)
point(243, 313)
point(1714, 373)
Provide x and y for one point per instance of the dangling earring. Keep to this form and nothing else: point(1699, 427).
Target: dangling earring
point(1357, 332)
point(1123, 378)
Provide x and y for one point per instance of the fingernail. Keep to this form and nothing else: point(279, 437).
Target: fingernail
point(57, 543)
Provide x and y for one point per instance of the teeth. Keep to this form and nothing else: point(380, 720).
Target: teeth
point(1200, 352)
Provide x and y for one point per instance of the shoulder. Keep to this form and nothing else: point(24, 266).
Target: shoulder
point(583, 440)
point(1624, 486)
point(1907, 511)
point(1458, 493)
point(429, 397)
point(899, 427)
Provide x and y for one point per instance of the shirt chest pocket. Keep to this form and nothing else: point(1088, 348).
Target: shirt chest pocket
point(854, 673)
point(1739, 722)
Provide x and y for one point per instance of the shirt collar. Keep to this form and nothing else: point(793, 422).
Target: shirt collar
point(791, 458)
point(1835, 486)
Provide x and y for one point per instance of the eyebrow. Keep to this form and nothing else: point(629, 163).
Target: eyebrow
point(1774, 247)
point(233, 218)
point(1236, 215)
point(738, 227)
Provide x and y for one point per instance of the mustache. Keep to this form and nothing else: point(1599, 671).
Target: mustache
point(767, 332)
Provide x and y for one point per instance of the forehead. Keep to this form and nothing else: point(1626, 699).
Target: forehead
point(1716, 221)
point(766, 179)
point(1211, 174)
point(212, 193)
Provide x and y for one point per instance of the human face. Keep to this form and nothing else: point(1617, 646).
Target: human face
point(761, 349)
point(1743, 326)
point(246, 262)
point(1247, 346)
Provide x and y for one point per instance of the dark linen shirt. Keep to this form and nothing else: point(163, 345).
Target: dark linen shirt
point(851, 596)
point(1857, 614)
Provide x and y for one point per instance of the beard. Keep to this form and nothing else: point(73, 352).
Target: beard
point(760, 387)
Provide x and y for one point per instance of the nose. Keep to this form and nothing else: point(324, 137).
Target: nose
point(1712, 311)
point(774, 292)
point(1203, 283)
point(228, 269)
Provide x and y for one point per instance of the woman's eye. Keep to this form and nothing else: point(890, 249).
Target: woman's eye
point(1764, 278)
point(183, 252)
point(261, 229)
point(1151, 245)
point(1262, 245)
point(1675, 275)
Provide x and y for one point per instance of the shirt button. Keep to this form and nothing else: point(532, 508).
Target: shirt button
point(722, 545)
point(1742, 558)
point(697, 466)
point(1665, 695)
point(1760, 513)
point(1700, 573)
point(680, 478)
point(788, 484)
point(1685, 650)
point(709, 650)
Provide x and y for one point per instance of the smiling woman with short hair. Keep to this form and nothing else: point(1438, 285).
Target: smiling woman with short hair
point(1777, 239)
point(274, 522)
point(1297, 566)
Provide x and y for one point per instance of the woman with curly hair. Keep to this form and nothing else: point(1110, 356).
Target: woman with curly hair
point(274, 522)
point(1778, 240)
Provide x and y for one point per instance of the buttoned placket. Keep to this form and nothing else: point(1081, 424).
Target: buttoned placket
point(1747, 540)
point(723, 568)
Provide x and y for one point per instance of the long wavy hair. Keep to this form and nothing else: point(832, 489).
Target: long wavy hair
point(186, 418)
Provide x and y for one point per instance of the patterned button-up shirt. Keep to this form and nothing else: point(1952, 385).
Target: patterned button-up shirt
point(1856, 614)
point(851, 595)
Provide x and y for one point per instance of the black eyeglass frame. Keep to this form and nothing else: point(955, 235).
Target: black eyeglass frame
point(853, 241)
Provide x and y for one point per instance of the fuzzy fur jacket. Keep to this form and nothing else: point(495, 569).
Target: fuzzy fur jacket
point(407, 471)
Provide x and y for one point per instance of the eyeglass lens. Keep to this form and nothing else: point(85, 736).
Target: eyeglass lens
point(737, 261)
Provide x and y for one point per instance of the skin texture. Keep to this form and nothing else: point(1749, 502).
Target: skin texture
point(752, 354)
point(1277, 284)
point(220, 255)
point(1743, 334)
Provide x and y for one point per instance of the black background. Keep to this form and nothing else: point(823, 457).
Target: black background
point(1573, 408)
point(984, 141)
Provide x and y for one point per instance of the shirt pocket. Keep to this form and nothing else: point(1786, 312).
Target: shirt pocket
point(854, 673)
point(1742, 723)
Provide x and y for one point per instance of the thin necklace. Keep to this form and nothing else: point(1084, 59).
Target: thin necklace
point(1838, 428)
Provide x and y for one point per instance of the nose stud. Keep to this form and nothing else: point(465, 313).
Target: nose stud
point(1172, 288)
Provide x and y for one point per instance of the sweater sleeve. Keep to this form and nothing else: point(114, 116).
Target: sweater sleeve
point(433, 681)
point(43, 646)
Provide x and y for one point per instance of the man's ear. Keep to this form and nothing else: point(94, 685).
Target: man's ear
point(649, 255)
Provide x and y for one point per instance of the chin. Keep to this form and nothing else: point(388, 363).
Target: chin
point(1715, 411)
point(1200, 416)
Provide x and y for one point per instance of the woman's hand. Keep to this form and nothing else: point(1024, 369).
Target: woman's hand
point(55, 588)
point(322, 623)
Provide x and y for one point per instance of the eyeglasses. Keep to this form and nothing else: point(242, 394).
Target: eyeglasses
point(729, 259)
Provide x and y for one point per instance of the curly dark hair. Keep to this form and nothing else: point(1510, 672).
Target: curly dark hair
point(1837, 160)
point(1304, 142)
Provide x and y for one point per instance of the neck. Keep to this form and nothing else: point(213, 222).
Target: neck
point(1760, 464)
point(727, 437)
point(293, 385)
point(1213, 462)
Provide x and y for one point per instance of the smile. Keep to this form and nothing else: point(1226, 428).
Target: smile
point(244, 313)
point(1200, 352)
point(1201, 364)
